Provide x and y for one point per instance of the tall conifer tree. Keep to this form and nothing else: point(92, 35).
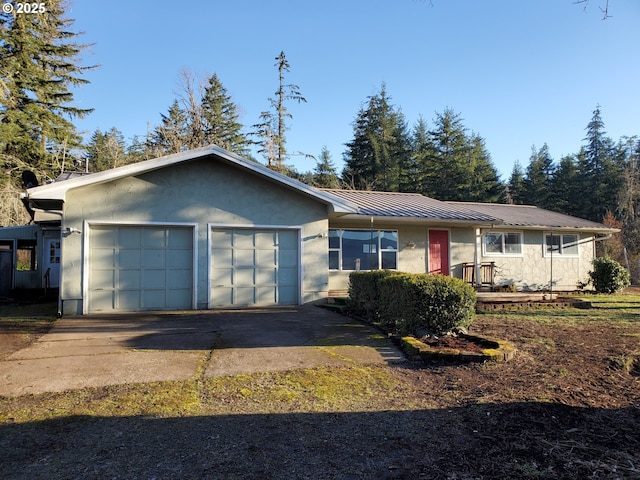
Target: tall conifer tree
point(39, 64)
point(220, 118)
point(380, 146)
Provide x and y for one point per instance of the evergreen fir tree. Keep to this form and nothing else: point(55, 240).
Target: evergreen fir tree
point(172, 135)
point(106, 150)
point(220, 115)
point(324, 173)
point(538, 177)
point(601, 173)
point(412, 176)
point(485, 185)
point(447, 169)
point(379, 148)
point(39, 64)
point(514, 189)
point(564, 188)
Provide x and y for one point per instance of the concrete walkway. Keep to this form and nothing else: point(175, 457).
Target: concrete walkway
point(94, 351)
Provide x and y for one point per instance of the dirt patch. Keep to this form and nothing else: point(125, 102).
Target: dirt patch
point(16, 334)
point(462, 343)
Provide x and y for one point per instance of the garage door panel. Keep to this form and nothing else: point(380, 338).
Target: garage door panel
point(129, 279)
point(101, 300)
point(128, 300)
point(222, 239)
point(266, 295)
point(244, 296)
point(129, 237)
point(154, 299)
point(222, 296)
point(176, 299)
point(267, 258)
point(154, 278)
point(257, 267)
point(180, 239)
point(243, 258)
point(154, 237)
point(288, 276)
point(222, 276)
point(288, 240)
point(287, 295)
point(244, 276)
point(265, 240)
point(222, 257)
point(179, 279)
point(266, 276)
point(288, 258)
point(129, 258)
point(103, 279)
point(154, 258)
point(180, 258)
point(244, 239)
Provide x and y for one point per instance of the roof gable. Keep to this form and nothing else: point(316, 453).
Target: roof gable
point(56, 192)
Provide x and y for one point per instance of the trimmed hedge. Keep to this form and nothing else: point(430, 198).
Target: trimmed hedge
point(404, 303)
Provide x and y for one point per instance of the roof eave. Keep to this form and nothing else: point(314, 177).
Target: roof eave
point(360, 217)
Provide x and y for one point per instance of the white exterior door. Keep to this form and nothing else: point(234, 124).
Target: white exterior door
point(254, 267)
point(134, 268)
point(52, 262)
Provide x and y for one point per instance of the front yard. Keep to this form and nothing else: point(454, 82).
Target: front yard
point(567, 406)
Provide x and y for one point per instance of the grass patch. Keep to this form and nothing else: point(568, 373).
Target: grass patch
point(160, 399)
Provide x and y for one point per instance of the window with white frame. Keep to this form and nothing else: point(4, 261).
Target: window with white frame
point(561, 244)
point(502, 243)
point(363, 249)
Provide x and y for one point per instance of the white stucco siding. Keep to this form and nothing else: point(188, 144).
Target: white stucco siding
point(200, 193)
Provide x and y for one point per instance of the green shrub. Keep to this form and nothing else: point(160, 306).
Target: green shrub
point(364, 292)
point(608, 276)
point(404, 303)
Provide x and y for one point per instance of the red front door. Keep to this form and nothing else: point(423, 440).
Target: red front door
point(439, 252)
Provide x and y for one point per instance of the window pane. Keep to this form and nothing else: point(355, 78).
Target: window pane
point(389, 260)
point(334, 260)
point(512, 243)
point(334, 238)
point(359, 248)
point(553, 244)
point(570, 245)
point(388, 241)
point(493, 243)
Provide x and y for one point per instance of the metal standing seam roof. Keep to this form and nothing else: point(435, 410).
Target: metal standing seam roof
point(408, 205)
point(533, 217)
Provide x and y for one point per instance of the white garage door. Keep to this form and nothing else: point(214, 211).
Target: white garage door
point(134, 268)
point(254, 267)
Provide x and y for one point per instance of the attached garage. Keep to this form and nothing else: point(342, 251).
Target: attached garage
point(254, 266)
point(140, 267)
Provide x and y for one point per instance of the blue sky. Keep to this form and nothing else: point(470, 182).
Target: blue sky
point(520, 73)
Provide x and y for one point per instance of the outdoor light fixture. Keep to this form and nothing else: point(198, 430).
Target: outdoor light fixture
point(411, 245)
point(70, 230)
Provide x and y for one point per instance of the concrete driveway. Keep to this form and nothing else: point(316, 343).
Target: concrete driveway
point(94, 351)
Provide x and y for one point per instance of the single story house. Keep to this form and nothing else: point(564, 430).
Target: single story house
point(206, 228)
